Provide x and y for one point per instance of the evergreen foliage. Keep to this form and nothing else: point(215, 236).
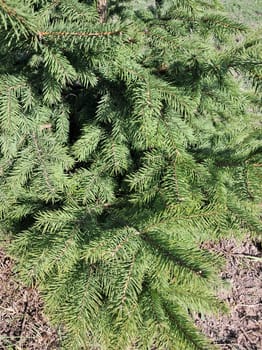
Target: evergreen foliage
point(126, 142)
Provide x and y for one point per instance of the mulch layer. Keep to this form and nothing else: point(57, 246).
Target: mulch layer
point(23, 325)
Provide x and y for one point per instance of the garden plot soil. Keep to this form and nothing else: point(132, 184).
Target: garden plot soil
point(24, 327)
point(22, 323)
point(242, 328)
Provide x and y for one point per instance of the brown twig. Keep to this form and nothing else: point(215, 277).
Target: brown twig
point(23, 321)
point(79, 34)
point(102, 10)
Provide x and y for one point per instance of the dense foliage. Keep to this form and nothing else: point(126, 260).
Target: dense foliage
point(128, 137)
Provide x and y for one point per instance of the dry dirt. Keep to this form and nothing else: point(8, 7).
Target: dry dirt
point(23, 325)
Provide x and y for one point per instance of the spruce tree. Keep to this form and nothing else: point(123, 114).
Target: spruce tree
point(128, 137)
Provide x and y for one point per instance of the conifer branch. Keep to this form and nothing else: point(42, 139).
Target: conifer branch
point(100, 141)
point(124, 241)
point(176, 181)
point(172, 217)
point(78, 34)
point(123, 298)
point(247, 183)
point(18, 22)
point(41, 161)
point(12, 12)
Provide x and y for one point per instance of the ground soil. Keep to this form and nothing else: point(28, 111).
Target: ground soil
point(23, 325)
point(242, 328)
